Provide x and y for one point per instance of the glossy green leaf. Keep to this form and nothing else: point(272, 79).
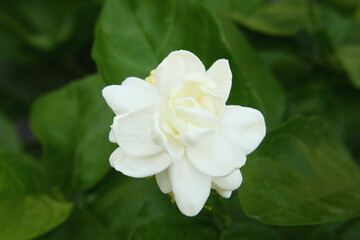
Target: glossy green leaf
point(26, 211)
point(9, 139)
point(132, 37)
point(73, 124)
point(301, 175)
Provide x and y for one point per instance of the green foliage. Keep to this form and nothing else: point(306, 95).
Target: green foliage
point(312, 179)
point(73, 126)
point(9, 137)
point(291, 59)
point(27, 210)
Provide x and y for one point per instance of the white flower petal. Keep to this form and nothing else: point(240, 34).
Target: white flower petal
point(216, 156)
point(220, 72)
point(140, 84)
point(224, 194)
point(129, 97)
point(246, 126)
point(112, 136)
point(191, 61)
point(139, 167)
point(163, 181)
point(228, 183)
point(133, 133)
point(163, 138)
point(191, 188)
point(168, 74)
point(194, 135)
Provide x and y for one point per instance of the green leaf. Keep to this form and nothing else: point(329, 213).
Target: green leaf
point(81, 225)
point(9, 139)
point(301, 175)
point(265, 86)
point(344, 39)
point(350, 58)
point(279, 18)
point(178, 227)
point(115, 208)
point(26, 210)
point(250, 231)
point(42, 24)
point(122, 203)
point(132, 37)
point(73, 124)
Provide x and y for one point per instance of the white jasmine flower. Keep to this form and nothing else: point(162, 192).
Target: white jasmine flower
point(175, 125)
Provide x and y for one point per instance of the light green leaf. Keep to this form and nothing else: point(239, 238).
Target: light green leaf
point(9, 139)
point(26, 211)
point(301, 175)
point(73, 124)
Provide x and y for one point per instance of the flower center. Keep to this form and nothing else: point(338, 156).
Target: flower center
point(151, 78)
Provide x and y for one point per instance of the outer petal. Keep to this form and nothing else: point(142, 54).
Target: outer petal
point(130, 96)
point(224, 194)
point(139, 167)
point(112, 136)
point(163, 181)
point(133, 133)
point(220, 72)
point(228, 183)
point(140, 84)
point(216, 156)
point(246, 126)
point(191, 188)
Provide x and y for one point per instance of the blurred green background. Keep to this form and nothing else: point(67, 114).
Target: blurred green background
point(298, 61)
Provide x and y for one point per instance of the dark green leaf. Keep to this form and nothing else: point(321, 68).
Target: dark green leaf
point(81, 225)
point(73, 124)
point(26, 211)
point(42, 24)
point(344, 39)
point(9, 139)
point(300, 175)
point(278, 18)
point(265, 86)
point(178, 227)
point(122, 203)
point(132, 37)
